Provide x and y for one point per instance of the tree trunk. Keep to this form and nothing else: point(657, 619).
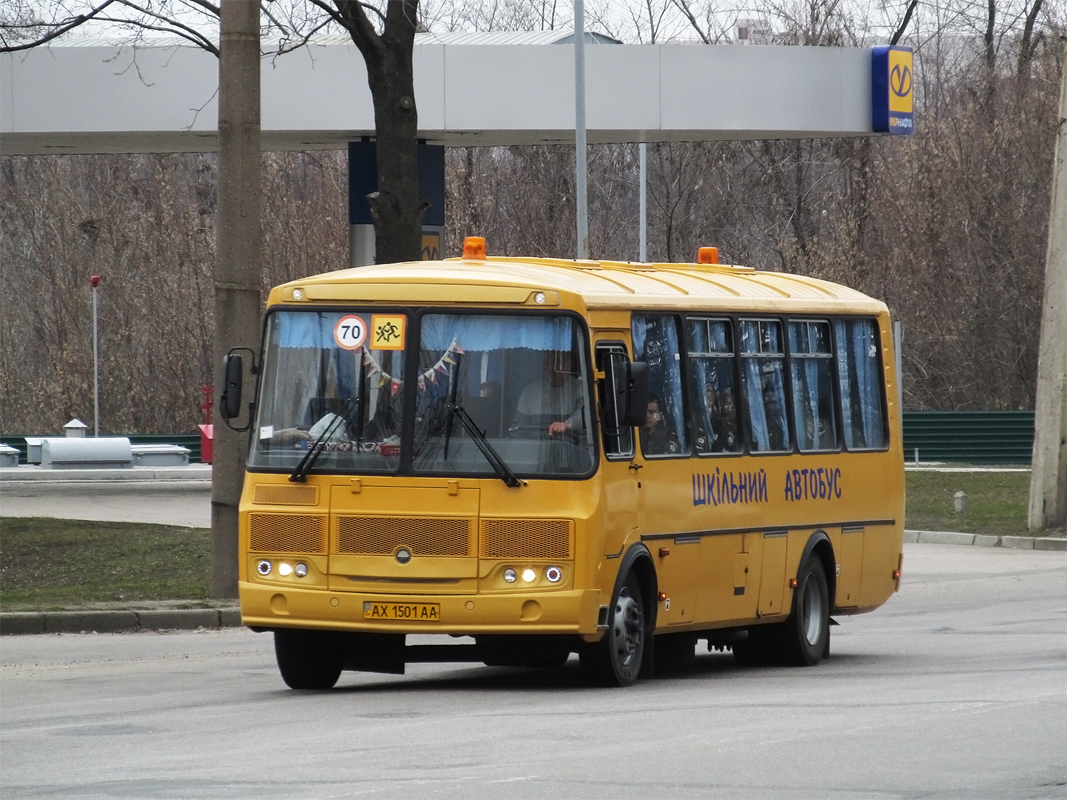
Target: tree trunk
point(396, 207)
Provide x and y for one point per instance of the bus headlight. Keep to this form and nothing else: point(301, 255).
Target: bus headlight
point(553, 574)
point(529, 575)
point(510, 576)
point(263, 567)
point(300, 570)
point(284, 569)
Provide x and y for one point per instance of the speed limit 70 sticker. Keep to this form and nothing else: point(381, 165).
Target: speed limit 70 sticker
point(350, 332)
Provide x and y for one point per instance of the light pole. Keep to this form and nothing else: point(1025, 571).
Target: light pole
point(94, 283)
point(581, 211)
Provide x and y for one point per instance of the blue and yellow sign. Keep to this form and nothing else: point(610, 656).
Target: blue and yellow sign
point(892, 90)
point(431, 245)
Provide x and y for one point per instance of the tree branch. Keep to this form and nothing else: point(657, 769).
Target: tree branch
point(904, 22)
point(63, 28)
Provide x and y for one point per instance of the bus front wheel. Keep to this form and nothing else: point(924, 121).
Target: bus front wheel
point(616, 659)
point(308, 659)
point(807, 631)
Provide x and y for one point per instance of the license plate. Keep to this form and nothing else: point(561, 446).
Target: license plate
point(411, 612)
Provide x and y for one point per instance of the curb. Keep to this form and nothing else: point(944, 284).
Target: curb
point(177, 619)
point(1052, 543)
point(33, 473)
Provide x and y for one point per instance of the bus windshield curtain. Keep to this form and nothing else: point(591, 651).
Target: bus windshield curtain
point(495, 332)
point(857, 359)
point(313, 331)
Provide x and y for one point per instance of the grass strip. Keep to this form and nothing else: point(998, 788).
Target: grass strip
point(47, 564)
point(997, 502)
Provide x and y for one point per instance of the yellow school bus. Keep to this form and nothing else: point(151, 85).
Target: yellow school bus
point(540, 457)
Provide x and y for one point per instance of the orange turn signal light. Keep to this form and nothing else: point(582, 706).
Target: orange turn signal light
point(792, 583)
point(474, 248)
point(664, 552)
point(896, 574)
point(662, 596)
point(708, 255)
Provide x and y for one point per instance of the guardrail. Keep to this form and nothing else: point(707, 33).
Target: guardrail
point(974, 437)
point(189, 440)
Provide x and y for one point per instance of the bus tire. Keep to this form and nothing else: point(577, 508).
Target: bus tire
point(807, 631)
point(308, 659)
point(616, 659)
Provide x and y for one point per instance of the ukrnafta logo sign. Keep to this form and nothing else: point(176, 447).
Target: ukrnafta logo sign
point(892, 90)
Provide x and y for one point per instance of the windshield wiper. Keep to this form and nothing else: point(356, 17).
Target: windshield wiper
point(500, 467)
point(300, 474)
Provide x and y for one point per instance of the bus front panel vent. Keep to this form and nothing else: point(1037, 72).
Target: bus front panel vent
point(287, 533)
point(425, 536)
point(526, 538)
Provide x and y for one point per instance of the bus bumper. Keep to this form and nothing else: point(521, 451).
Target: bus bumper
point(563, 612)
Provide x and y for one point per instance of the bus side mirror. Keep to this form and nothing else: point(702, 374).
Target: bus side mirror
point(636, 393)
point(232, 378)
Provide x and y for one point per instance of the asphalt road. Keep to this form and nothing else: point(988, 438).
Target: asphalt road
point(955, 689)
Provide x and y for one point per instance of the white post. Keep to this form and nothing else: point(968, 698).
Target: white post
point(94, 283)
point(643, 194)
point(579, 129)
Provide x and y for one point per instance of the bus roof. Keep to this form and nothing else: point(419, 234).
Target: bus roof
point(583, 285)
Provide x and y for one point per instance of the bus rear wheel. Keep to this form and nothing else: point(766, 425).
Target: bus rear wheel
point(308, 659)
point(807, 631)
point(616, 659)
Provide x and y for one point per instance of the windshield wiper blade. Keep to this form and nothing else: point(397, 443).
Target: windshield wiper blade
point(498, 464)
point(300, 474)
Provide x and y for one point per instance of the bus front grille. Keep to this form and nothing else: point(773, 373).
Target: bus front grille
point(287, 533)
point(424, 536)
point(526, 538)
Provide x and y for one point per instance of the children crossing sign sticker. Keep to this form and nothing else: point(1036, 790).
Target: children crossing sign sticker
point(892, 90)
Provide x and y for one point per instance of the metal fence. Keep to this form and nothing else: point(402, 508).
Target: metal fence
point(970, 437)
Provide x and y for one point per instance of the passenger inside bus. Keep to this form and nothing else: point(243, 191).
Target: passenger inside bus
point(723, 420)
point(656, 438)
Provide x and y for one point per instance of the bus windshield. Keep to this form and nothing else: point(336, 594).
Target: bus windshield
point(339, 381)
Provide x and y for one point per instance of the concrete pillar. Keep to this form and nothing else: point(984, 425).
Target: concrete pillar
point(238, 270)
point(1048, 481)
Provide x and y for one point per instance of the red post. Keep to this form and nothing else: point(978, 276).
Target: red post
point(207, 430)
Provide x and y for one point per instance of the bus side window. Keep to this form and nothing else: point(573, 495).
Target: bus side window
point(810, 360)
point(657, 342)
point(712, 386)
point(859, 371)
point(763, 385)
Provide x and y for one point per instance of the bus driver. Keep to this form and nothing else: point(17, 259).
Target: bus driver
point(555, 402)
